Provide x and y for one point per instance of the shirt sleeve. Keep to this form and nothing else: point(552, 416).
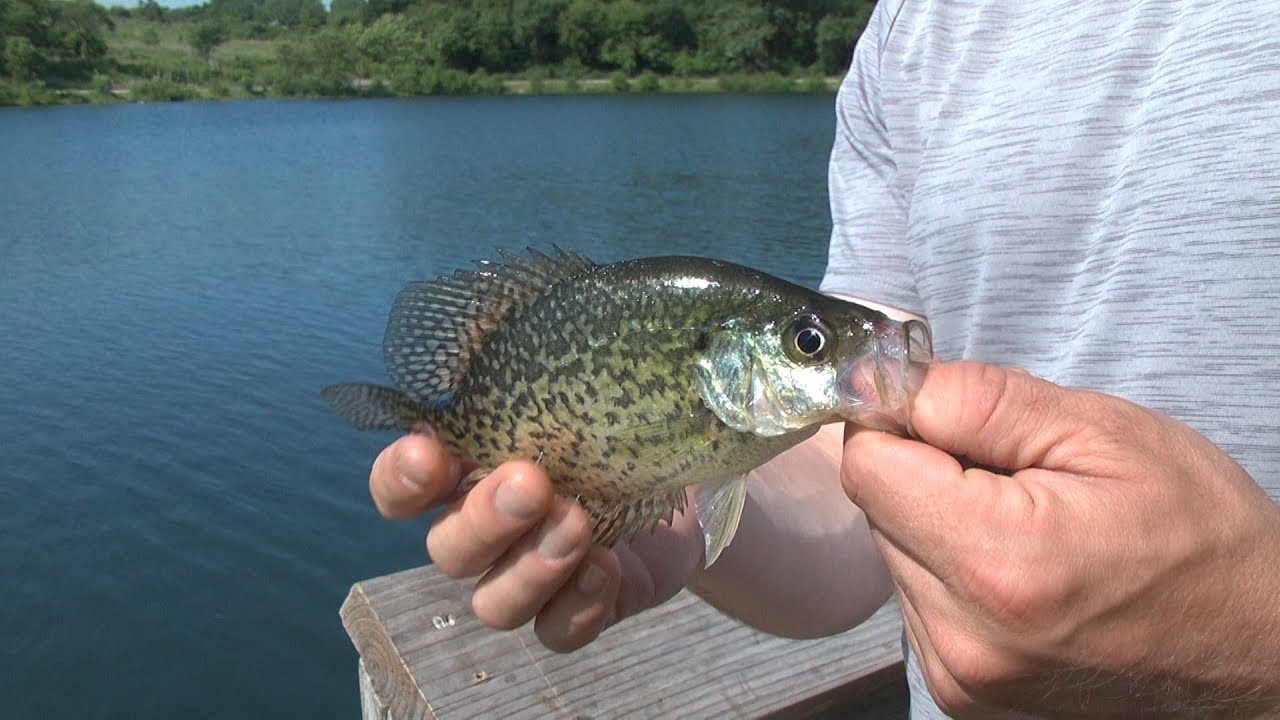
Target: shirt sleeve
point(868, 256)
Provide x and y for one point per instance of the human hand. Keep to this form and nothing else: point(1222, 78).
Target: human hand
point(1123, 566)
point(531, 550)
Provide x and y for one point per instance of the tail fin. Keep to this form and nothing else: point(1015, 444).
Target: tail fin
point(373, 407)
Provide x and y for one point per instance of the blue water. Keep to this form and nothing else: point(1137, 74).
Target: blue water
point(180, 515)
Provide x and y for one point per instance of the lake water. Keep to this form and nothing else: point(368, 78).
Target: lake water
point(180, 514)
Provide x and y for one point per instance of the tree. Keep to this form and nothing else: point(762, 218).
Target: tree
point(582, 31)
point(206, 36)
point(152, 11)
point(391, 43)
point(536, 24)
point(645, 36)
point(294, 14)
point(346, 12)
point(835, 39)
point(22, 60)
point(82, 24)
point(736, 38)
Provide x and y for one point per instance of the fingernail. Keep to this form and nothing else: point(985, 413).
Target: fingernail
point(514, 503)
point(410, 476)
point(591, 579)
point(556, 542)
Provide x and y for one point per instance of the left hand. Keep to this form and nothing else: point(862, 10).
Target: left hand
point(1121, 566)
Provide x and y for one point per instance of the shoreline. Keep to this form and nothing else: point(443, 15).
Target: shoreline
point(13, 94)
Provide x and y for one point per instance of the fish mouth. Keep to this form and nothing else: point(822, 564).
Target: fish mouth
point(878, 385)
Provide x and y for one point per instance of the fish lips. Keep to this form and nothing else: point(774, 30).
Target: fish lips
point(877, 386)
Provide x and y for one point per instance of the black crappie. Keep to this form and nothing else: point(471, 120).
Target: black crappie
point(629, 382)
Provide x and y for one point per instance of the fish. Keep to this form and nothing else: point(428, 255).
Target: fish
point(631, 381)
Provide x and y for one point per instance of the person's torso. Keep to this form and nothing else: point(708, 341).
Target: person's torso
point(1093, 194)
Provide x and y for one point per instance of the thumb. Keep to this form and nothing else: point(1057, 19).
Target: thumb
point(999, 417)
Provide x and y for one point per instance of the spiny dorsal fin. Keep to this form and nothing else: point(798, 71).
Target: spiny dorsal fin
point(436, 328)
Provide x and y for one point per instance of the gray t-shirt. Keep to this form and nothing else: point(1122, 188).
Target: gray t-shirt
point(1088, 190)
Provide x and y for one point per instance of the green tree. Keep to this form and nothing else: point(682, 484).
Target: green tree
point(735, 38)
point(206, 36)
point(233, 11)
point(536, 25)
point(152, 11)
point(34, 20)
point(346, 12)
point(392, 43)
point(294, 14)
point(22, 60)
point(82, 24)
point(835, 39)
point(645, 36)
point(582, 31)
point(322, 63)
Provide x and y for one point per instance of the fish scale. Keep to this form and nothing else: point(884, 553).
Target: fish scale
point(626, 382)
point(552, 348)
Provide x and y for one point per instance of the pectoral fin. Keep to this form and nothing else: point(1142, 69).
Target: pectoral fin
point(719, 507)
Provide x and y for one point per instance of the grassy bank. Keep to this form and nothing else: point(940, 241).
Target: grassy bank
point(154, 62)
point(200, 55)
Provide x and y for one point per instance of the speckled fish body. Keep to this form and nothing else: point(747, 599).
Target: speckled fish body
point(629, 382)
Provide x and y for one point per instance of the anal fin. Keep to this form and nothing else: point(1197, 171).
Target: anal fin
point(611, 521)
point(719, 507)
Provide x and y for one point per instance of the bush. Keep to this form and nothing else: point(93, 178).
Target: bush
point(22, 59)
point(162, 91)
point(648, 82)
point(766, 83)
point(619, 82)
point(677, 83)
point(815, 84)
point(835, 39)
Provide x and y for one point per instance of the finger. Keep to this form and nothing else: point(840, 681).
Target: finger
point(523, 580)
point(929, 504)
point(907, 489)
point(1002, 418)
point(475, 531)
point(412, 474)
point(584, 606)
point(946, 691)
point(955, 655)
point(669, 556)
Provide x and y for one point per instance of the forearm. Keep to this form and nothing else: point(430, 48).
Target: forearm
point(803, 563)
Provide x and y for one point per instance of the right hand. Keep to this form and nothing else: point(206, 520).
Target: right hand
point(531, 549)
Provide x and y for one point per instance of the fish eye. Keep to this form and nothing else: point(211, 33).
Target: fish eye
point(808, 340)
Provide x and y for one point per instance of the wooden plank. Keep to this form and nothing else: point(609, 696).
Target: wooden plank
point(371, 707)
point(427, 656)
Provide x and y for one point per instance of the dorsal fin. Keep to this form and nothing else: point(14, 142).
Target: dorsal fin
point(436, 328)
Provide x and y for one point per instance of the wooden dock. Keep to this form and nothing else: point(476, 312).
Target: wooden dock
point(424, 655)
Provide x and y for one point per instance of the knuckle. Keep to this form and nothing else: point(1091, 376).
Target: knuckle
point(495, 613)
point(637, 591)
point(984, 397)
point(951, 700)
point(455, 560)
point(973, 668)
point(563, 635)
point(1012, 593)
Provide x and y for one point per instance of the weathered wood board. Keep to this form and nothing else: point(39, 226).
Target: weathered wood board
point(426, 656)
